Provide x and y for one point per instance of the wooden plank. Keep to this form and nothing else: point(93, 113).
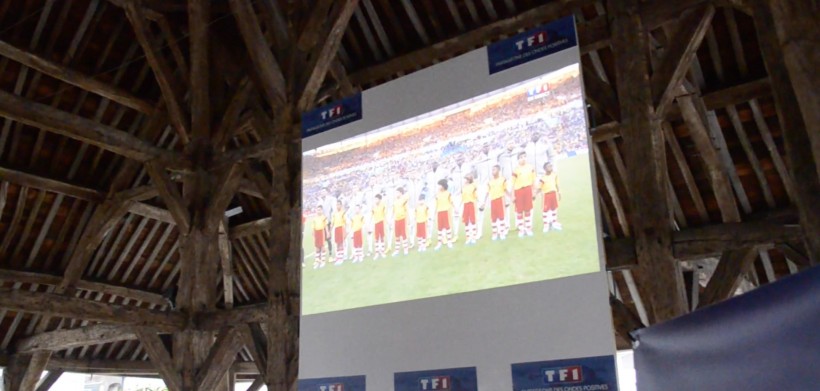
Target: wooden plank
point(257, 384)
point(686, 172)
point(171, 195)
point(24, 371)
point(743, 137)
point(168, 85)
point(106, 137)
point(199, 15)
point(659, 276)
point(257, 343)
point(623, 319)
point(601, 95)
point(678, 56)
point(224, 189)
point(160, 358)
point(732, 266)
point(324, 54)
point(796, 22)
point(703, 142)
point(48, 279)
point(268, 70)
point(49, 380)
point(42, 183)
point(218, 319)
point(66, 339)
point(74, 308)
point(220, 359)
point(251, 228)
point(226, 264)
point(802, 161)
point(78, 79)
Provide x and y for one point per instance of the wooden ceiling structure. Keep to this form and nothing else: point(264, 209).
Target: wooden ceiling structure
point(129, 127)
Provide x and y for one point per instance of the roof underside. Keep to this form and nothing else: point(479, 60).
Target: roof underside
point(51, 184)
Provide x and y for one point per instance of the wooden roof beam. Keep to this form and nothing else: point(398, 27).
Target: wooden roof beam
point(75, 78)
point(75, 308)
point(169, 86)
point(800, 138)
point(678, 56)
point(72, 338)
point(265, 64)
point(659, 276)
point(83, 129)
point(160, 358)
point(38, 182)
point(24, 370)
point(101, 287)
point(325, 53)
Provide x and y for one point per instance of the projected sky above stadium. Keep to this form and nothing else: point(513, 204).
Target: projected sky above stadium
point(486, 193)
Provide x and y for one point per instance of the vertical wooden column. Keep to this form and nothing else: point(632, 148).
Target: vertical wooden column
point(24, 370)
point(801, 160)
point(659, 276)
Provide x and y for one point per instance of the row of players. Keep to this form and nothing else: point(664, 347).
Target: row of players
point(523, 180)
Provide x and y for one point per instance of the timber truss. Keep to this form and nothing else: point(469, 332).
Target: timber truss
point(131, 126)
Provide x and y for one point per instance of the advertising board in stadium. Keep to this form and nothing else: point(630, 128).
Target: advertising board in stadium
point(451, 221)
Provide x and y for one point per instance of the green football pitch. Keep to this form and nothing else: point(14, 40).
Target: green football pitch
point(487, 264)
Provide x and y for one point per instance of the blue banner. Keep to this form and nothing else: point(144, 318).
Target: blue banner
point(348, 383)
point(533, 44)
point(332, 115)
point(580, 374)
point(455, 379)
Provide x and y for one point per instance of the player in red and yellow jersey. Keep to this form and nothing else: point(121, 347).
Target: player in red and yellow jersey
point(552, 194)
point(421, 224)
point(319, 226)
point(469, 197)
point(339, 220)
point(356, 225)
point(444, 205)
point(523, 179)
point(495, 196)
point(378, 228)
point(400, 222)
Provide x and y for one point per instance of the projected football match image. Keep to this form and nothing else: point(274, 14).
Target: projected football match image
point(490, 192)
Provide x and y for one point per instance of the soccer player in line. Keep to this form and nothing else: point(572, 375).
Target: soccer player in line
point(421, 224)
point(319, 235)
point(357, 224)
point(523, 180)
point(552, 194)
point(444, 205)
point(495, 196)
point(378, 228)
point(469, 196)
point(339, 220)
point(400, 222)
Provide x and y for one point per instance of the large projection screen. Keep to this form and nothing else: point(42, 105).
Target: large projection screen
point(454, 225)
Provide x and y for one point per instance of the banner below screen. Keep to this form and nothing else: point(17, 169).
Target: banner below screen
point(456, 379)
point(580, 374)
point(347, 383)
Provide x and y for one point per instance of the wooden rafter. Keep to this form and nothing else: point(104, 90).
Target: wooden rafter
point(75, 78)
point(171, 195)
point(66, 339)
point(325, 53)
point(160, 358)
point(46, 117)
point(678, 57)
point(170, 87)
point(265, 64)
point(75, 308)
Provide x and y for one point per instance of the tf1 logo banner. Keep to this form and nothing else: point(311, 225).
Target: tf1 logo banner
point(454, 379)
point(533, 44)
point(349, 383)
point(332, 115)
point(581, 374)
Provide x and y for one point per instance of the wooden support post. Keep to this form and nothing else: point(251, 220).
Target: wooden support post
point(732, 266)
point(796, 23)
point(50, 379)
point(659, 275)
point(800, 158)
point(24, 370)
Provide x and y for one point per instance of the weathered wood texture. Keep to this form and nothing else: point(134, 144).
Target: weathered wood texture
point(658, 273)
